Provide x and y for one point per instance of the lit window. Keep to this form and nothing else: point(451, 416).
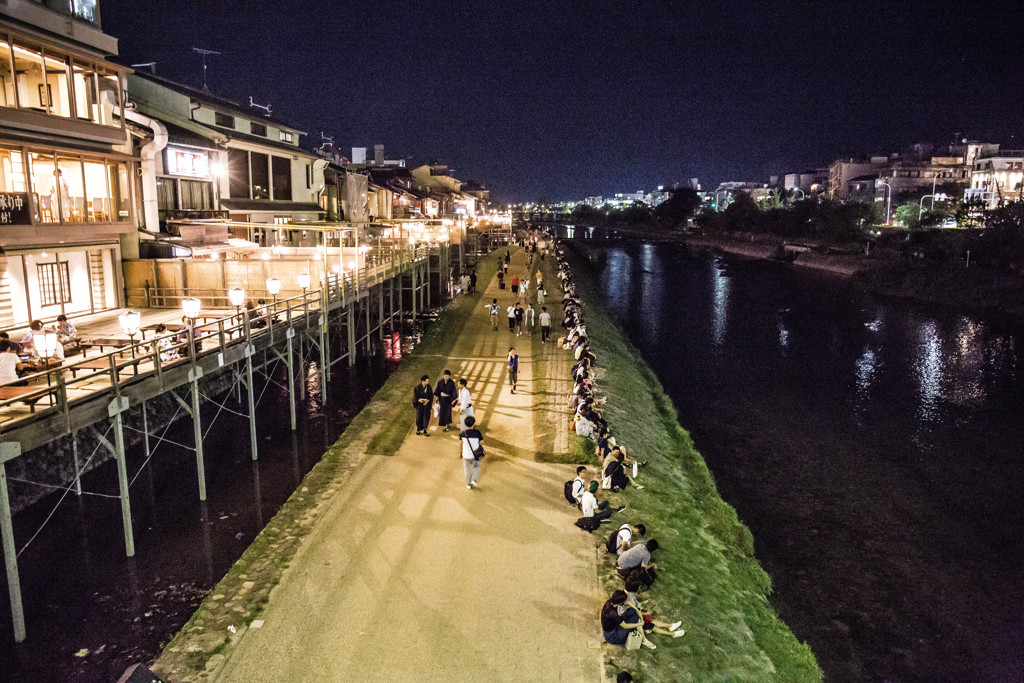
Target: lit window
point(54, 283)
point(287, 137)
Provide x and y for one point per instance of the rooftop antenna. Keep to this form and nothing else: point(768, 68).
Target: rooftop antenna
point(204, 53)
point(265, 107)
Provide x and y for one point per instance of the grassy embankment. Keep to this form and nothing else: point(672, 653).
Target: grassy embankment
point(708, 575)
point(379, 428)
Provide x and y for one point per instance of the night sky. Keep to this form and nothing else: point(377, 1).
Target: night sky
point(560, 100)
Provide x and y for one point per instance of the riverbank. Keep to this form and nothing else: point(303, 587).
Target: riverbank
point(708, 575)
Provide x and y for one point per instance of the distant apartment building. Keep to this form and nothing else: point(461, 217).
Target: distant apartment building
point(996, 177)
point(811, 181)
point(841, 173)
point(67, 188)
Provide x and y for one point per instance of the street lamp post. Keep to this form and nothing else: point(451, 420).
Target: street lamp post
point(130, 325)
point(303, 281)
point(888, 201)
point(274, 287)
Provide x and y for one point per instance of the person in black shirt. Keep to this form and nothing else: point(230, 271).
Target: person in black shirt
point(444, 393)
point(422, 398)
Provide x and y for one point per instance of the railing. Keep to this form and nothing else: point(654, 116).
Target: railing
point(152, 357)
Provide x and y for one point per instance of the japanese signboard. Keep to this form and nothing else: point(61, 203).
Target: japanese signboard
point(14, 208)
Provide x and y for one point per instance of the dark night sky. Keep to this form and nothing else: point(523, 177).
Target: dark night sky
point(559, 100)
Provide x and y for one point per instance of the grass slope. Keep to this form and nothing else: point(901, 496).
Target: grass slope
point(708, 575)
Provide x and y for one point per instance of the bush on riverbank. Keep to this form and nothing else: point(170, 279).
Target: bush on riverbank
point(708, 577)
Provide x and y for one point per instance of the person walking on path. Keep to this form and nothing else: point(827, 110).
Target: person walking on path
point(512, 318)
point(513, 368)
point(465, 404)
point(469, 442)
point(519, 318)
point(493, 308)
point(422, 397)
point(545, 324)
point(515, 286)
point(525, 287)
point(529, 318)
point(444, 394)
point(472, 281)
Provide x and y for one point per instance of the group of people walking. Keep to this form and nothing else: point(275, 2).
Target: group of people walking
point(624, 619)
point(442, 400)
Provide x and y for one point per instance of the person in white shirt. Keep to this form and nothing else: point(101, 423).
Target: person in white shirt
point(590, 506)
point(470, 438)
point(625, 536)
point(579, 486)
point(465, 404)
point(545, 324)
point(528, 318)
point(9, 363)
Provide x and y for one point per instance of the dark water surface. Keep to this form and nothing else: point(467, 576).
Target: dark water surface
point(876, 450)
point(90, 611)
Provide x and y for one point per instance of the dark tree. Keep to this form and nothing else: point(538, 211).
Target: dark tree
point(680, 205)
point(1002, 242)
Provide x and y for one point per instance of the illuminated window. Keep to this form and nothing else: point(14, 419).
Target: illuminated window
point(54, 283)
point(287, 137)
point(12, 171)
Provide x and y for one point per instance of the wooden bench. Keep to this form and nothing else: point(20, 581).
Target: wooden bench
point(27, 395)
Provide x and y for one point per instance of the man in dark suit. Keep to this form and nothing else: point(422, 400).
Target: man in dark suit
point(422, 398)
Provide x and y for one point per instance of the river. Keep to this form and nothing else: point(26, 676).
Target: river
point(874, 448)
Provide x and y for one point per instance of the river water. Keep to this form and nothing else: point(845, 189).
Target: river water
point(875, 449)
point(90, 611)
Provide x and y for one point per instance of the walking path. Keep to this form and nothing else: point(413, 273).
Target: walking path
point(410, 576)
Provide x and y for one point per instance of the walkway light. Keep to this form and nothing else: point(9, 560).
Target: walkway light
point(45, 344)
point(273, 285)
point(303, 280)
point(191, 306)
point(236, 295)
point(130, 325)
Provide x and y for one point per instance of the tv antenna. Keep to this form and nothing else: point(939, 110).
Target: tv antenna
point(204, 53)
point(264, 107)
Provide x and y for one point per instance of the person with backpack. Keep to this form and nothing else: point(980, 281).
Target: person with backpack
point(493, 309)
point(620, 621)
point(637, 556)
point(574, 488)
point(620, 539)
point(472, 451)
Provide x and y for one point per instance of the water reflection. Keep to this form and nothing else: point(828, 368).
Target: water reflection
point(651, 285)
point(720, 289)
point(928, 366)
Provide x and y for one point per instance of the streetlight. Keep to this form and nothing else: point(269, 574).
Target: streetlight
point(274, 287)
point(130, 325)
point(236, 295)
point(888, 201)
point(303, 280)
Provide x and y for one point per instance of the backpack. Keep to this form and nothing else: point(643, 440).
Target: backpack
point(569, 485)
point(588, 524)
point(612, 544)
point(642, 574)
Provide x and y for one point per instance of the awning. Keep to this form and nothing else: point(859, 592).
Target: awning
point(268, 205)
point(232, 244)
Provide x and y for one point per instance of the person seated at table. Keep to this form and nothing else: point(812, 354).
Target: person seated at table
point(165, 342)
point(183, 337)
point(15, 346)
point(10, 365)
point(27, 342)
point(66, 332)
point(255, 321)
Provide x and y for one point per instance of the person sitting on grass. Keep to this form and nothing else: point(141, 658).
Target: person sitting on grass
point(637, 556)
point(653, 625)
point(579, 486)
point(624, 536)
point(619, 620)
point(591, 508)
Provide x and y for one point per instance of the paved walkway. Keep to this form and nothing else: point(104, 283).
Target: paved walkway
point(409, 576)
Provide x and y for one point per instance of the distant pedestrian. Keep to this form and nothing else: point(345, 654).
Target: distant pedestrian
point(464, 283)
point(470, 440)
point(504, 268)
point(501, 279)
point(524, 286)
point(472, 281)
point(515, 286)
point(508, 256)
point(465, 404)
point(493, 308)
point(422, 397)
point(545, 324)
point(529, 318)
point(511, 310)
point(519, 318)
point(513, 368)
point(444, 394)
point(541, 295)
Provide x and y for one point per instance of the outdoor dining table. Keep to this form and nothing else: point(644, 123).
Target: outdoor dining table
point(103, 363)
point(28, 395)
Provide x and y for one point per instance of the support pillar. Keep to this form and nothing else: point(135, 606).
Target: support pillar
point(78, 467)
point(325, 365)
point(9, 450)
point(291, 379)
point(350, 327)
point(366, 305)
point(197, 428)
point(116, 408)
point(253, 447)
point(380, 312)
point(414, 269)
